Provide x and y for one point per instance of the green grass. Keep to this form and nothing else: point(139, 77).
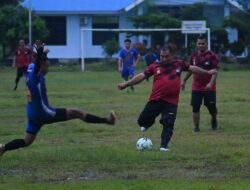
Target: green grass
point(77, 155)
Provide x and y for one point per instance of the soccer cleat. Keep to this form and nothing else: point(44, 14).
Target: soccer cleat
point(162, 149)
point(196, 129)
point(143, 129)
point(1, 149)
point(111, 118)
point(14, 88)
point(214, 124)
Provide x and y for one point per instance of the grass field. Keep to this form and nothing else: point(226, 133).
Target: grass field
point(77, 155)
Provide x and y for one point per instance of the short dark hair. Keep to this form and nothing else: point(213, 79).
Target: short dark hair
point(202, 37)
point(127, 40)
point(171, 47)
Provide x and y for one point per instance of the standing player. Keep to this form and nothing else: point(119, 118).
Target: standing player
point(204, 86)
point(40, 112)
point(21, 60)
point(128, 60)
point(150, 57)
point(165, 92)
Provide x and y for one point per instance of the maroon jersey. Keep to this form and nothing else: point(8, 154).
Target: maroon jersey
point(23, 57)
point(207, 61)
point(167, 80)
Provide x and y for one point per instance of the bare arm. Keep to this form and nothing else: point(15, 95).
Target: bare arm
point(14, 61)
point(119, 64)
point(198, 70)
point(211, 82)
point(135, 80)
point(183, 82)
point(137, 60)
point(38, 60)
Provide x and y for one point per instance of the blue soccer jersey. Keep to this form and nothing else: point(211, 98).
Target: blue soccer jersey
point(150, 58)
point(128, 57)
point(38, 109)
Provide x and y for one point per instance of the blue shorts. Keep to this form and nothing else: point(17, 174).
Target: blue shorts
point(35, 124)
point(128, 72)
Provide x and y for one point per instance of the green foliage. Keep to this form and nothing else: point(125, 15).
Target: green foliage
point(240, 21)
point(9, 2)
point(219, 40)
point(193, 12)
point(110, 47)
point(237, 47)
point(14, 26)
point(155, 20)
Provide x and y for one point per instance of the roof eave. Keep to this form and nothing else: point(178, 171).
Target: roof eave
point(78, 12)
point(133, 5)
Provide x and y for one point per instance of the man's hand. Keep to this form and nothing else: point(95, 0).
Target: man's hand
point(183, 84)
point(120, 69)
point(208, 86)
point(212, 71)
point(121, 86)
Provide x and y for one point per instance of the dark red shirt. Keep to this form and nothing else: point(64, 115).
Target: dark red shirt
point(207, 61)
point(23, 57)
point(167, 80)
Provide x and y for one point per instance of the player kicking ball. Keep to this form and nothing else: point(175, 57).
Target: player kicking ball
point(165, 92)
point(40, 112)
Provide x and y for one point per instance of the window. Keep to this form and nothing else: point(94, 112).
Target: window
point(57, 29)
point(98, 38)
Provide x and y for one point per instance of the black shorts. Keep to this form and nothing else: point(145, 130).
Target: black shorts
point(208, 96)
point(155, 108)
point(35, 124)
point(21, 71)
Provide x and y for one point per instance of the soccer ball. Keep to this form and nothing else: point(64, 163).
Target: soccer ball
point(144, 144)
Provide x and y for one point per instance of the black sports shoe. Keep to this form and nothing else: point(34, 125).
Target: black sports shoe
point(14, 88)
point(214, 124)
point(196, 129)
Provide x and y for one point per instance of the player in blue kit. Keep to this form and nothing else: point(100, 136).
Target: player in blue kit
point(128, 60)
point(40, 112)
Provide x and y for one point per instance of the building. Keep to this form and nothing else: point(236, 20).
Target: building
point(66, 18)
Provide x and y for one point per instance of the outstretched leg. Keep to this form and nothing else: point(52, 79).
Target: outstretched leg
point(17, 143)
point(72, 113)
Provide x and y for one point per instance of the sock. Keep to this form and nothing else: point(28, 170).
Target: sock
point(15, 144)
point(95, 119)
point(166, 135)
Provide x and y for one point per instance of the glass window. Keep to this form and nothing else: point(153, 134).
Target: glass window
point(98, 38)
point(57, 29)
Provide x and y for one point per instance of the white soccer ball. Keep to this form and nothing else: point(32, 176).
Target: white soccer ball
point(144, 144)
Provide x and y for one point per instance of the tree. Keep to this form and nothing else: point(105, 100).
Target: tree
point(111, 47)
point(193, 12)
point(219, 40)
point(240, 21)
point(156, 19)
point(14, 26)
point(237, 47)
point(9, 2)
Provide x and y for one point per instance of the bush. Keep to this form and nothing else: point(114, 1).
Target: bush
point(110, 47)
point(237, 47)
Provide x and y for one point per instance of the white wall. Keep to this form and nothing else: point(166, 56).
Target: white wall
point(72, 48)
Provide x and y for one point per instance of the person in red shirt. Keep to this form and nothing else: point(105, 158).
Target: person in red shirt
point(165, 92)
point(204, 86)
point(21, 60)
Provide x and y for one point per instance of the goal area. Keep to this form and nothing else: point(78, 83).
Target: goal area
point(86, 44)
